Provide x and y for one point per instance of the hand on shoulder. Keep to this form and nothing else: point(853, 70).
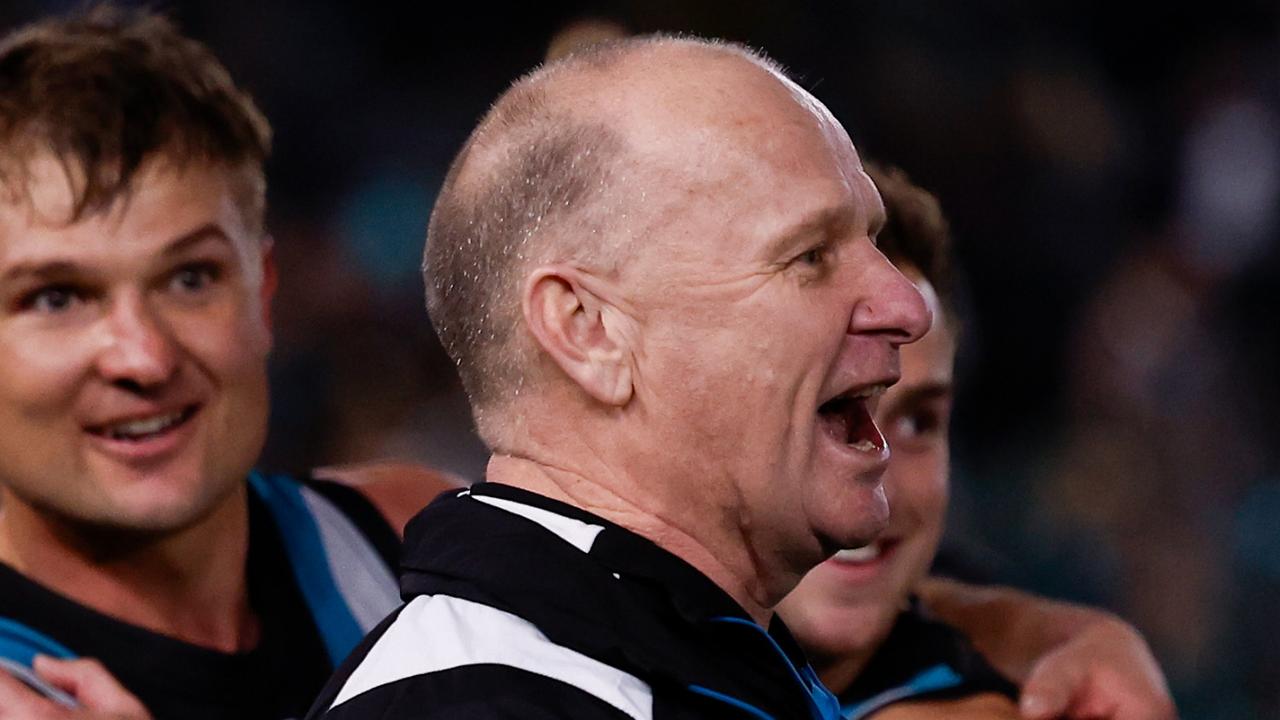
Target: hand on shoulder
point(1105, 670)
point(1071, 661)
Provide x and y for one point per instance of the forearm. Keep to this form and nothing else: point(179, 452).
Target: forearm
point(1071, 661)
point(1012, 628)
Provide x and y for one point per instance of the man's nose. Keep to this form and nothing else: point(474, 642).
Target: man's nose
point(138, 348)
point(890, 304)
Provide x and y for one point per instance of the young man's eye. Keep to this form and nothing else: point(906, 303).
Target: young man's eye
point(918, 426)
point(922, 423)
point(195, 277)
point(51, 299)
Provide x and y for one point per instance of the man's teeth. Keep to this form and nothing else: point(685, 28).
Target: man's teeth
point(863, 446)
point(870, 392)
point(866, 553)
point(146, 426)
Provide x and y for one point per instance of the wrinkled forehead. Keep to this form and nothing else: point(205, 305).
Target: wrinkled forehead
point(836, 136)
point(772, 146)
point(756, 120)
point(721, 152)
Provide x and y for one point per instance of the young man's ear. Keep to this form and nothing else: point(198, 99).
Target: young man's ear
point(577, 329)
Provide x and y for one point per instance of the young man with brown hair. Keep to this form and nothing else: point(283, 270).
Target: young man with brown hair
point(135, 288)
point(882, 651)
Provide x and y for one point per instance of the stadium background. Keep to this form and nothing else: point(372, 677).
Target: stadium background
point(1112, 172)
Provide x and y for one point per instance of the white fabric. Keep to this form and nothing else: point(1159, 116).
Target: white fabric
point(577, 533)
point(365, 582)
point(441, 632)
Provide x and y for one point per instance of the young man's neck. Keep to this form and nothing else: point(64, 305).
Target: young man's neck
point(838, 673)
point(189, 584)
point(612, 500)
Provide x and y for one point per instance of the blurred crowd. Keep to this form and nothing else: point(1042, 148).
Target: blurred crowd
point(1112, 172)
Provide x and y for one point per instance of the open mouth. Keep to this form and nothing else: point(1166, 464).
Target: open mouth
point(144, 428)
point(847, 419)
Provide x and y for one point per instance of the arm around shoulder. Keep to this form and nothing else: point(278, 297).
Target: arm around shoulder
point(397, 489)
point(1070, 660)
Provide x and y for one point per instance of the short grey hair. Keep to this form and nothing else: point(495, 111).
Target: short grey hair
point(533, 183)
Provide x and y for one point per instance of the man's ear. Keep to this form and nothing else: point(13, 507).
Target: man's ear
point(578, 329)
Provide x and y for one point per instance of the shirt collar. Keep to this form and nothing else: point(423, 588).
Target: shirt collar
point(622, 551)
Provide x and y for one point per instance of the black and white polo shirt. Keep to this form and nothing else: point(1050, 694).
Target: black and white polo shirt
point(518, 606)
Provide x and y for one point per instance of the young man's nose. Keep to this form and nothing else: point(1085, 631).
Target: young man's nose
point(139, 349)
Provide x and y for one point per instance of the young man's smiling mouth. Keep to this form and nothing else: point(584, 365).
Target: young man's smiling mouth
point(140, 428)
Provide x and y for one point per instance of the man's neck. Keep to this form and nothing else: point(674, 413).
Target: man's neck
point(189, 584)
point(839, 672)
point(618, 500)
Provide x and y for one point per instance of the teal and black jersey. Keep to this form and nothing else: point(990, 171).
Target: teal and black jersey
point(921, 659)
point(320, 575)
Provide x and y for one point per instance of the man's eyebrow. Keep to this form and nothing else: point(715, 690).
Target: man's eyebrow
point(58, 269)
point(54, 270)
point(927, 391)
point(208, 231)
point(819, 220)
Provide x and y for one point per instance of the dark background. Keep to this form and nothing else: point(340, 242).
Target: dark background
point(1112, 173)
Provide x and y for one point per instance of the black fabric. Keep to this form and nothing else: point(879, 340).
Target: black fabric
point(627, 603)
point(176, 680)
point(919, 642)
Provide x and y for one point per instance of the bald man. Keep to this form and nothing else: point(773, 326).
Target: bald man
point(653, 263)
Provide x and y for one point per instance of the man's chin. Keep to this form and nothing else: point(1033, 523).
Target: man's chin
point(839, 631)
point(142, 514)
point(855, 527)
point(140, 522)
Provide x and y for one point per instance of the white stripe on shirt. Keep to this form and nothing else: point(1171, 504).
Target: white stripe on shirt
point(441, 632)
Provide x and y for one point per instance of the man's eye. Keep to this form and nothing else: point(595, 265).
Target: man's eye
point(813, 256)
point(194, 278)
point(917, 425)
point(52, 299)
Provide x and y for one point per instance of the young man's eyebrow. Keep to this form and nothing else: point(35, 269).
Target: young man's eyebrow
point(50, 270)
point(928, 391)
point(55, 269)
point(208, 231)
